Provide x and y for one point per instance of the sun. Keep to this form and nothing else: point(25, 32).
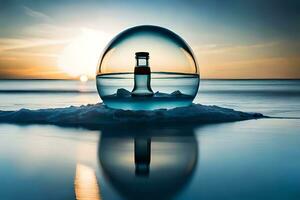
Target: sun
point(83, 78)
point(80, 57)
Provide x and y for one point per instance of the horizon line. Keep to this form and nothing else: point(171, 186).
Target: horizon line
point(75, 79)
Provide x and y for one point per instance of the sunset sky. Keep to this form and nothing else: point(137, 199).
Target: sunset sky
point(230, 38)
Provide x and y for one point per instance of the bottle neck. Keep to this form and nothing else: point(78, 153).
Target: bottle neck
point(142, 62)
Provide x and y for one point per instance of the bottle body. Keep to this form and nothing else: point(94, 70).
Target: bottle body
point(142, 76)
point(142, 82)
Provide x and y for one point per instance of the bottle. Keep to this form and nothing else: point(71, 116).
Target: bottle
point(142, 76)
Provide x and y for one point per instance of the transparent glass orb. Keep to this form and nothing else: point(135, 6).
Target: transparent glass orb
point(147, 67)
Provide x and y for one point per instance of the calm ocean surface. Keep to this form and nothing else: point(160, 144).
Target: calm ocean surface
point(255, 159)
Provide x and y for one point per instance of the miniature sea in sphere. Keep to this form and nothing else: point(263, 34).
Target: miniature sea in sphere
point(145, 68)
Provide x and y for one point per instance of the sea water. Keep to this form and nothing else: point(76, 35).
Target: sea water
point(254, 159)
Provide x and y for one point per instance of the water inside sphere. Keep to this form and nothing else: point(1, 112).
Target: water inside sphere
point(147, 67)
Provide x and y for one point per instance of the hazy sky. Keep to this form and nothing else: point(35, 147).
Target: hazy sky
point(230, 38)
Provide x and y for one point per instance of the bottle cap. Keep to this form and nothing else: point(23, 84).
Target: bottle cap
point(141, 54)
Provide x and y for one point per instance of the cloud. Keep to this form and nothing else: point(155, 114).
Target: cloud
point(23, 44)
point(50, 31)
point(222, 48)
point(36, 14)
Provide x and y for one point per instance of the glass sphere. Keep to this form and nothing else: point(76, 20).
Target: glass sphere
point(147, 67)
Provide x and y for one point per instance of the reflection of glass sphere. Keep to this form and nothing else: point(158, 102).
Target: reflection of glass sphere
point(148, 165)
point(147, 67)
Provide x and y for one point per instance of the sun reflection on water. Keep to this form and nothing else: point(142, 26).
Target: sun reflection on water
point(86, 184)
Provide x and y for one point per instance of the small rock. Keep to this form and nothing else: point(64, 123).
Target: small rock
point(161, 94)
point(123, 92)
point(176, 93)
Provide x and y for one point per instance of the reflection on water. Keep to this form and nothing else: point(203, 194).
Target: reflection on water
point(85, 184)
point(256, 159)
point(142, 156)
point(148, 164)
